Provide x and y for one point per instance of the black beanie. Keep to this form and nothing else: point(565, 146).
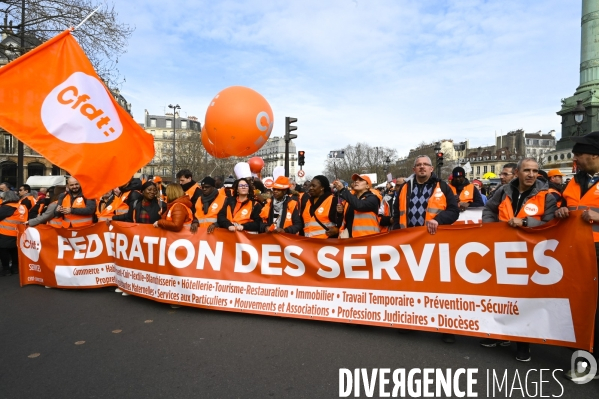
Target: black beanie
point(581, 148)
point(208, 181)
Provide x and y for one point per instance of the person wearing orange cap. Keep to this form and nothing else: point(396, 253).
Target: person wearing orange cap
point(281, 213)
point(556, 178)
point(361, 207)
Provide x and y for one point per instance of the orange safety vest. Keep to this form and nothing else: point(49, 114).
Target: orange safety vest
point(365, 223)
point(116, 207)
point(188, 219)
point(311, 227)
point(71, 220)
point(558, 201)
point(534, 207)
point(191, 191)
point(211, 217)
point(8, 226)
point(467, 194)
point(243, 215)
point(386, 212)
point(590, 200)
point(32, 200)
point(436, 204)
point(291, 206)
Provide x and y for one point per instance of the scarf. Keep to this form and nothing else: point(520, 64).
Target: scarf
point(208, 199)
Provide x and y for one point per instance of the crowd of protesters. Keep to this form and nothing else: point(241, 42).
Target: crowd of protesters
point(319, 209)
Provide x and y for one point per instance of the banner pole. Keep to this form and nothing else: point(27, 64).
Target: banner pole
point(86, 18)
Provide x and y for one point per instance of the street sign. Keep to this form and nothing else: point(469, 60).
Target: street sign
point(301, 173)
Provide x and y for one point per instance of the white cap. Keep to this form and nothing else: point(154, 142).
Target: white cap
point(242, 169)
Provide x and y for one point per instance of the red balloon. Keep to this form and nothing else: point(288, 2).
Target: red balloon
point(256, 164)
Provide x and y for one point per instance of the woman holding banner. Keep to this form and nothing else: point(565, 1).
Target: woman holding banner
point(146, 210)
point(178, 213)
point(241, 212)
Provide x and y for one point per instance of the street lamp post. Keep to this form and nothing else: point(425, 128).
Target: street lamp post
point(174, 108)
point(386, 167)
point(579, 113)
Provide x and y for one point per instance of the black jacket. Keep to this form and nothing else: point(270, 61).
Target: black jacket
point(254, 225)
point(134, 186)
point(368, 202)
point(154, 210)
point(296, 218)
point(448, 216)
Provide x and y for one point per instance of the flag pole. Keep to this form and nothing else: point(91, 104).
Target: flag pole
point(86, 18)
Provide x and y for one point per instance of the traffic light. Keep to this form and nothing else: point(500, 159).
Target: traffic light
point(439, 160)
point(289, 128)
point(300, 158)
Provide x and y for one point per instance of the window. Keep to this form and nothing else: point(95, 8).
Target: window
point(485, 169)
point(163, 135)
point(153, 132)
point(183, 124)
point(561, 156)
point(492, 168)
point(292, 164)
point(478, 170)
point(535, 142)
point(569, 155)
point(169, 123)
point(163, 171)
point(152, 122)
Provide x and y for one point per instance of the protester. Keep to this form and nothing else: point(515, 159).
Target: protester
point(241, 212)
point(11, 214)
point(464, 190)
point(319, 214)
point(129, 193)
point(27, 198)
point(110, 205)
point(361, 208)
point(191, 188)
point(147, 210)
point(47, 213)
point(555, 185)
point(521, 203)
point(73, 209)
point(42, 193)
point(178, 213)
point(281, 213)
point(219, 182)
point(208, 205)
point(581, 193)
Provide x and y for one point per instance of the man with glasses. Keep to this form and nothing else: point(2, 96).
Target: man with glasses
point(208, 205)
point(425, 200)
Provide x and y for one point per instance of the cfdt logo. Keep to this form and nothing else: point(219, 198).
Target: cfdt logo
point(585, 369)
point(31, 244)
point(80, 110)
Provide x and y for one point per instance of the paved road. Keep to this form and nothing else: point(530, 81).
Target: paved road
point(196, 353)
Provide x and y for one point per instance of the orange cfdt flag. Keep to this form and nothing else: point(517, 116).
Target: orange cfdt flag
point(52, 100)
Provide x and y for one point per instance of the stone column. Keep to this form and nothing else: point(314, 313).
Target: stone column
point(589, 45)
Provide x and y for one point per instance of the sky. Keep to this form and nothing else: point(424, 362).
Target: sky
point(387, 73)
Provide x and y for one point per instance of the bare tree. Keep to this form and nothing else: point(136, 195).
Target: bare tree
point(103, 37)
point(361, 158)
point(191, 154)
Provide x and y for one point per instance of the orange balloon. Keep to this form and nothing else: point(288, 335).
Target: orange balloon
point(210, 147)
point(256, 164)
point(238, 121)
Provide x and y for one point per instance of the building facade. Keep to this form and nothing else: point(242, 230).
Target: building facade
point(273, 154)
point(161, 128)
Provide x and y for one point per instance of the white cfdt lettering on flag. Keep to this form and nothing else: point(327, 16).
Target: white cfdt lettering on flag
point(80, 110)
point(31, 244)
